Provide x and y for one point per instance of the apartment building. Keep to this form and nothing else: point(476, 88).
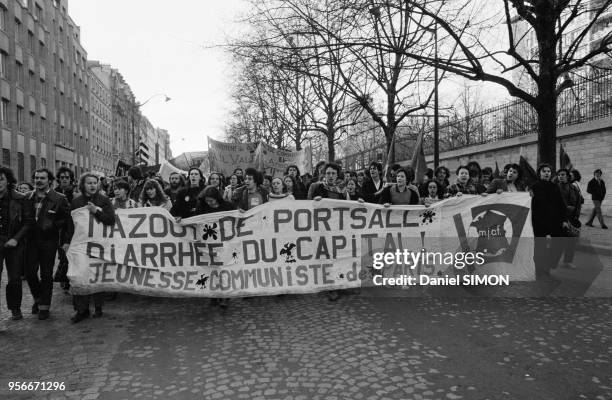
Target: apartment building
point(103, 151)
point(43, 88)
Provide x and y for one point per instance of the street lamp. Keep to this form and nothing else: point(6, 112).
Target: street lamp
point(136, 107)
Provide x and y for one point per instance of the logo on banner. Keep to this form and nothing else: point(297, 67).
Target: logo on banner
point(494, 230)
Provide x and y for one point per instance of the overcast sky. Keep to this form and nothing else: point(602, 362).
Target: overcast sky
point(164, 47)
point(158, 47)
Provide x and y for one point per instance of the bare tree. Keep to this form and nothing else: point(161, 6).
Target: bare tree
point(564, 35)
point(377, 36)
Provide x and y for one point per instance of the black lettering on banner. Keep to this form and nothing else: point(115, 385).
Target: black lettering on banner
point(97, 266)
point(130, 255)
point(140, 220)
point(237, 276)
point(246, 246)
point(167, 251)
point(97, 246)
point(298, 242)
point(240, 225)
point(164, 278)
point(301, 272)
point(225, 235)
point(212, 253)
point(296, 220)
point(107, 272)
point(322, 216)
point(149, 251)
point(388, 221)
point(152, 225)
point(250, 276)
point(356, 217)
point(178, 279)
point(280, 217)
point(341, 211)
point(116, 228)
point(376, 219)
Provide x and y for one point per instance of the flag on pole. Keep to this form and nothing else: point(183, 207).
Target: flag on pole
point(496, 172)
point(419, 165)
point(529, 174)
point(564, 160)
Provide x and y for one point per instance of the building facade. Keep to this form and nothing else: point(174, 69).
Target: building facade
point(100, 101)
point(43, 88)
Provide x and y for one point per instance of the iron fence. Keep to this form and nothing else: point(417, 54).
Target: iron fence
point(588, 99)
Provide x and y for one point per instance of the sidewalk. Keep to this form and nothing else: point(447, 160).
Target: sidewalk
point(595, 239)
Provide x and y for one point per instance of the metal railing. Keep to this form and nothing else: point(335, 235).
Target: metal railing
point(586, 100)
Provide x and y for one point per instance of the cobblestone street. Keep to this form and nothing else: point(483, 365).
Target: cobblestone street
point(381, 343)
point(305, 347)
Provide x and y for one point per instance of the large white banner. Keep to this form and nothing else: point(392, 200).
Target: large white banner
point(293, 246)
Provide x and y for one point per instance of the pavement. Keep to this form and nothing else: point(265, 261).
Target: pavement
point(537, 340)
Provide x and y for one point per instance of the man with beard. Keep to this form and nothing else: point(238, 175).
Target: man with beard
point(176, 183)
point(50, 231)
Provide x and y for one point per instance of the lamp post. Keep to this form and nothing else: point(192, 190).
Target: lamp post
point(135, 108)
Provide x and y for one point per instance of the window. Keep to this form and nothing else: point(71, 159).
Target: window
point(43, 90)
point(42, 50)
point(32, 163)
point(6, 157)
point(31, 82)
point(17, 30)
point(2, 18)
point(4, 112)
point(19, 119)
point(20, 167)
point(2, 65)
point(31, 42)
point(38, 12)
point(32, 125)
point(19, 73)
point(43, 162)
point(43, 130)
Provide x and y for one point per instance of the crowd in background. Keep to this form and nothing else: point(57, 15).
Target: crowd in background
point(36, 215)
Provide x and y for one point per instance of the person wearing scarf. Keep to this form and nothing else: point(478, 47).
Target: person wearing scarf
point(279, 190)
point(328, 188)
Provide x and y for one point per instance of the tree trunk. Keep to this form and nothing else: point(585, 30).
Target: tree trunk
point(546, 101)
point(390, 154)
point(331, 151)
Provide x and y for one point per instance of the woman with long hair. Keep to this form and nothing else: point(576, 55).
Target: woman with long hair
point(216, 179)
point(352, 190)
point(187, 198)
point(233, 183)
point(434, 193)
point(152, 195)
point(279, 190)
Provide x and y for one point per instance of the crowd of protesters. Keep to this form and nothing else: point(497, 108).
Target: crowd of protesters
point(37, 215)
